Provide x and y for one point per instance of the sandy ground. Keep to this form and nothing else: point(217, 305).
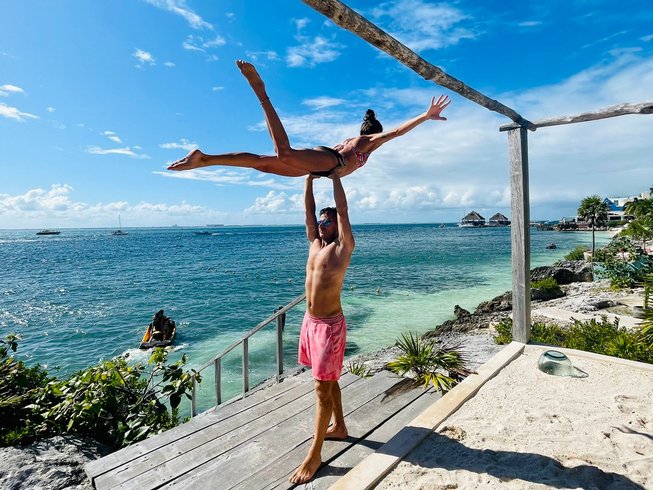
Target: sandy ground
point(529, 430)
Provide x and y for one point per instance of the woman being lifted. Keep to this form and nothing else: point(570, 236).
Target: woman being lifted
point(346, 157)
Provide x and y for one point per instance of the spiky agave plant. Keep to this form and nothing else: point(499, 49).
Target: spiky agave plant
point(427, 361)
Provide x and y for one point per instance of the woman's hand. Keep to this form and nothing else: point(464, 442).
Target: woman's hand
point(437, 107)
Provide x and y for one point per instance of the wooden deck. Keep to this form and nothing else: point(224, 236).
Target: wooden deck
point(258, 442)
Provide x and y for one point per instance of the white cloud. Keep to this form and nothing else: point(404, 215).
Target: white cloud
point(227, 176)
point(50, 109)
point(57, 207)
point(112, 136)
point(217, 88)
point(127, 151)
point(422, 25)
point(198, 43)
point(183, 144)
point(311, 50)
point(647, 38)
point(144, 57)
point(530, 23)
point(266, 55)
point(319, 103)
point(179, 7)
point(169, 64)
point(15, 114)
point(7, 89)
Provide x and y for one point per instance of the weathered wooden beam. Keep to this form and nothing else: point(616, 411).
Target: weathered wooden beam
point(348, 19)
point(612, 111)
point(520, 234)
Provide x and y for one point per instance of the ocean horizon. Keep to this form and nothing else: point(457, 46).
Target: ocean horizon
point(85, 295)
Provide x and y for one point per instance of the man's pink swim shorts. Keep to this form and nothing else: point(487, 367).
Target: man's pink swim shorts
point(322, 345)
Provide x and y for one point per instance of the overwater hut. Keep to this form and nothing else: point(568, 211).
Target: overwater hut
point(498, 220)
point(472, 219)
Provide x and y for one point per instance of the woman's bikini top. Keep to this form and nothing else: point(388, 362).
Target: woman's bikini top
point(361, 157)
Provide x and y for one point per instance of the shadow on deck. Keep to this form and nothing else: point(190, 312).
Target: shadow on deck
point(258, 442)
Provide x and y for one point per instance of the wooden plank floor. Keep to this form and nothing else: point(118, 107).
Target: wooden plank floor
point(258, 442)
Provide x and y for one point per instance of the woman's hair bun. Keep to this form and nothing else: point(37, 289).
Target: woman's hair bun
point(370, 124)
point(369, 115)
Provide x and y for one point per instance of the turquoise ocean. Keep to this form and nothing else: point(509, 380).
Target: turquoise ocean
point(84, 296)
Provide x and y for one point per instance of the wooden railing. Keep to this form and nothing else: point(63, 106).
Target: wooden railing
point(279, 316)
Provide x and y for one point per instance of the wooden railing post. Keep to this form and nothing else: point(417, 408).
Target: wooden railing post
point(281, 322)
point(218, 381)
point(193, 400)
point(520, 233)
point(245, 365)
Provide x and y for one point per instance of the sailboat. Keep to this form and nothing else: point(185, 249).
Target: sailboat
point(119, 230)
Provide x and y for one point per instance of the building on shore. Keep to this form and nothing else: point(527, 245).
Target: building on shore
point(498, 220)
point(472, 220)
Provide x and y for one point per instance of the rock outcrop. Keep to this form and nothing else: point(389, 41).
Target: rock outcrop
point(52, 464)
point(564, 272)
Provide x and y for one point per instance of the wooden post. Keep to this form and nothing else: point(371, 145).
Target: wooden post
point(193, 400)
point(281, 320)
point(218, 381)
point(345, 17)
point(520, 233)
point(245, 366)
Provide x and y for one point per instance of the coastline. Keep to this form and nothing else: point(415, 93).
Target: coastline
point(474, 332)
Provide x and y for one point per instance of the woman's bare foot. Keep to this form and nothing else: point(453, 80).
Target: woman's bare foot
point(306, 470)
point(193, 160)
point(254, 79)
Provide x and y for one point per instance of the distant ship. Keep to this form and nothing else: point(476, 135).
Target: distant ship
point(48, 232)
point(119, 230)
point(211, 226)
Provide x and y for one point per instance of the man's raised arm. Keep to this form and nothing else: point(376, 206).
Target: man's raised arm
point(345, 236)
point(309, 207)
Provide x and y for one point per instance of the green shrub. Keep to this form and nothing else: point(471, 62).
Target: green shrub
point(20, 386)
point(577, 253)
point(114, 402)
point(504, 332)
point(425, 360)
point(359, 369)
point(598, 336)
point(547, 284)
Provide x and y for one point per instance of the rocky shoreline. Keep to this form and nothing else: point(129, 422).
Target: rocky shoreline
point(58, 462)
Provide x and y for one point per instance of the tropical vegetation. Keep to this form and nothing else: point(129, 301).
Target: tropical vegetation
point(428, 363)
point(116, 402)
point(598, 336)
point(594, 211)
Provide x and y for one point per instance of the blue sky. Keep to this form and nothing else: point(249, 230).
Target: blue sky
point(96, 98)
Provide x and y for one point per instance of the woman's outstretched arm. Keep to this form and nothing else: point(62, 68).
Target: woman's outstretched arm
point(432, 113)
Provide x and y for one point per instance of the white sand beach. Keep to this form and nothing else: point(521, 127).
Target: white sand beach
point(529, 430)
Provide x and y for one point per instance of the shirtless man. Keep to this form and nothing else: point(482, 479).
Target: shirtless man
point(323, 334)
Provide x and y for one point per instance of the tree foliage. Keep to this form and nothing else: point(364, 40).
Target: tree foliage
point(594, 211)
point(115, 402)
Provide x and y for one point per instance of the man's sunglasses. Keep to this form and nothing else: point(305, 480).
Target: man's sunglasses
point(324, 222)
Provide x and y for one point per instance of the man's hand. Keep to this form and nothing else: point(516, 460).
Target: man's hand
point(437, 107)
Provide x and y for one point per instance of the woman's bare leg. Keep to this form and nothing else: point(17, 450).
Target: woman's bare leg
point(263, 163)
point(305, 159)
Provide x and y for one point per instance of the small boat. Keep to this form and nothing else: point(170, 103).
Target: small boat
point(119, 230)
point(159, 333)
point(48, 232)
point(203, 233)
point(551, 246)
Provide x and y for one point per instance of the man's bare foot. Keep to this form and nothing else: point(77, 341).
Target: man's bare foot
point(336, 433)
point(192, 160)
point(254, 79)
point(306, 470)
